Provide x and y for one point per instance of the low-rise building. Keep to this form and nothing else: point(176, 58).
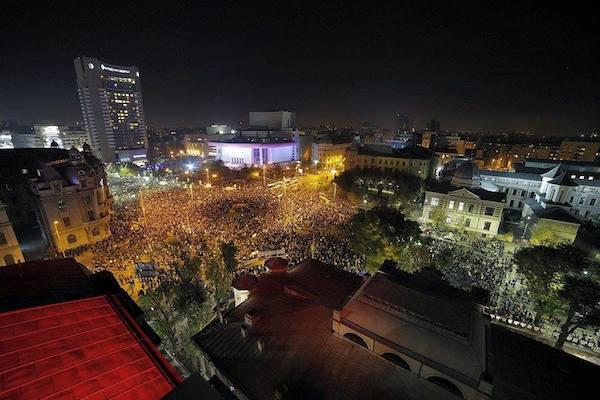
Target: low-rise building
point(247, 151)
point(464, 204)
point(314, 331)
point(412, 160)
point(523, 184)
point(55, 198)
point(10, 251)
point(329, 150)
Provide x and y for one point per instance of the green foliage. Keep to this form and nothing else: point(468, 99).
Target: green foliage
point(401, 188)
point(546, 236)
point(545, 269)
point(177, 306)
point(582, 295)
point(382, 234)
point(229, 252)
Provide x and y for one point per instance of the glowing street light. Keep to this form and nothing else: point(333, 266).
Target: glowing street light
point(190, 167)
point(58, 238)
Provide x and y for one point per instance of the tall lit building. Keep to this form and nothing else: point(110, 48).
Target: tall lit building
point(112, 108)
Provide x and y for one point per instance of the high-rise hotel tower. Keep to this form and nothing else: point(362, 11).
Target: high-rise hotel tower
point(112, 108)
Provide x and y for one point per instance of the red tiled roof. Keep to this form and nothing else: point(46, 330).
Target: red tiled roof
point(84, 349)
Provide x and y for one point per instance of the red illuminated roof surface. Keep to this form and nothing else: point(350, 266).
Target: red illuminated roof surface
point(84, 349)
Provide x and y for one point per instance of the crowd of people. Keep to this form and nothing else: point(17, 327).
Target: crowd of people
point(153, 224)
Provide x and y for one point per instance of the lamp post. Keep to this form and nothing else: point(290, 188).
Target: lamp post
point(265, 175)
point(526, 226)
point(207, 178)
point(58, 239)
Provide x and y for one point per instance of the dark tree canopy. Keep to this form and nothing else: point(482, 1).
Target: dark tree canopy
point(383, 233)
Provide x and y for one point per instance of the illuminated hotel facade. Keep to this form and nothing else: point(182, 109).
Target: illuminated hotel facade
point(112, 108)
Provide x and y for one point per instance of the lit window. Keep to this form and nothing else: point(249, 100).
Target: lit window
point(435, 201)
point(451, 204)
point(448, 220)
point(461, 206)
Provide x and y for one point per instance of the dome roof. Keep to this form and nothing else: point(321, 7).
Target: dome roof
point(244, 282)
point(276, 264)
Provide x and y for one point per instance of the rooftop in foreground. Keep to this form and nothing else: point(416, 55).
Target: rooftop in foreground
point(301, 357)
point(67, 334)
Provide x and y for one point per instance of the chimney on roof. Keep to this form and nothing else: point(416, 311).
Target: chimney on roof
point(260, 344)
point(244, 330)
point(251, 318)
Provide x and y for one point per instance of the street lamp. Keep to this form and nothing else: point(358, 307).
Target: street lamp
point(58, 239)
point(207, 177)
point(526, 226)
point(265, 174)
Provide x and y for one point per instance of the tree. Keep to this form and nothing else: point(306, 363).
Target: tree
point(383, 233)
point(545, 269)
point(228, 253)
point(177, 306)
point(345, 180)
point(582, 295)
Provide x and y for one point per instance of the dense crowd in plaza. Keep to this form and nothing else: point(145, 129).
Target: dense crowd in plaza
point(154, 224)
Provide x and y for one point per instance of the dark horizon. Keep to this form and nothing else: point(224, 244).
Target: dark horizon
point(489, 69)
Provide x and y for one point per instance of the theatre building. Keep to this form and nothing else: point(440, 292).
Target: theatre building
point(314, 331)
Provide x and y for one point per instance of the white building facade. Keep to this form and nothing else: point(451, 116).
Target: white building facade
point(234, 154)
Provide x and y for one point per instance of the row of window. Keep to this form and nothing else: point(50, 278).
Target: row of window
point(435, 201)
point(391, 162)
point(486, 225)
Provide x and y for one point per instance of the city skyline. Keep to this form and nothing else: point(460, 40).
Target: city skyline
point(473, 69)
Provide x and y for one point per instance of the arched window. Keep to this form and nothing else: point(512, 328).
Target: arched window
point(9, 259)
point(3, 240)
point(446, 385)
point(396, 359)
point(353, 337)
point(71, 238)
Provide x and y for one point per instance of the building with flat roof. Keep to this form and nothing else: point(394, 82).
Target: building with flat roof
point(113, 111)
point(329, 150)
point(247, 151)
point(412, 160)
point(272, 120)
point(579, 150)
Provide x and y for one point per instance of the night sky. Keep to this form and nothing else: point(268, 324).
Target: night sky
point(506, 68)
